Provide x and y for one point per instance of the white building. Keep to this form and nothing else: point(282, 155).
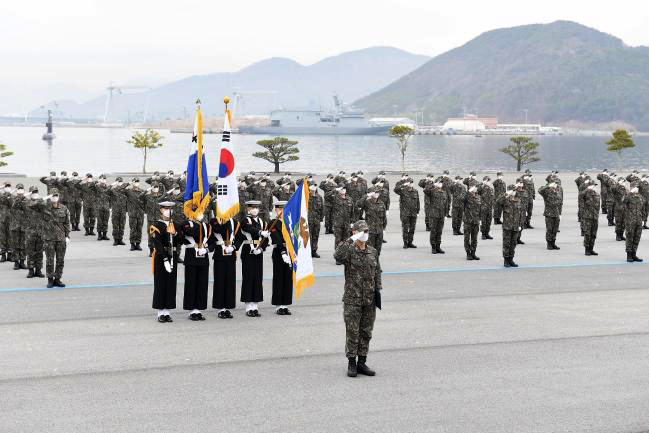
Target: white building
point(464, 124)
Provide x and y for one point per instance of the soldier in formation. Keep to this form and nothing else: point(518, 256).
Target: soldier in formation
point(500, 187)
point(316, 215)
point(590, 199)
point(552, 200)
point(486, 193)
point(458, 191)
point(372, 210)
point(437, 199)
point(512, 220)
point(634, 210)
point(408, 209)
point(471, 216)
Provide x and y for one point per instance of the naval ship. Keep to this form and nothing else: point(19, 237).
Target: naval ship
point(342, 121)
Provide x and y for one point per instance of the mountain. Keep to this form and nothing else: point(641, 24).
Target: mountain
point(559, 72)
point(351, 75)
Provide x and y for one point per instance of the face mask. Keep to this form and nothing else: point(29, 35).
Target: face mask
point(20, 192)
point(35, 196)
point(136, 184)
point(119, 183)
point(102, 181)
point(510, 192)
point(380, 184)
point(55, 199)
point(254, 212)
point(472, 190)
point(634, 189)
point(364, 237)
point(500, 176)
point(262, 183)
point(155, 190)
point(7, 189)
point(591, 187)
point(312, 188)
point(166, 213)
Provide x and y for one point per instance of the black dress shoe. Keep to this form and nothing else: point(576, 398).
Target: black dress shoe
point(228, 314)
point(168, 318)
point(287, 312)
point(193, 317)
point(222, 315)
point(162, 319)
point(257, 313)
point(279, 311)
point(200, 316)
point(250, 313)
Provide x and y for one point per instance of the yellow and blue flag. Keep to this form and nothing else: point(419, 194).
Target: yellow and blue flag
point(295, 230)
point(197, 196)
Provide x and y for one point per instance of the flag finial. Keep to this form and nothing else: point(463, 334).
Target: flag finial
point(226, 101)
point(198, 101)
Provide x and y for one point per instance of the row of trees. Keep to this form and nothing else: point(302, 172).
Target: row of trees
point(279, 150)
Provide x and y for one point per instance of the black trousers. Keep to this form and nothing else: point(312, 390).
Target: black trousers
point(196, 281)
point(225, 291)
point(282, 281)
point(164, 285)
point(252, 271)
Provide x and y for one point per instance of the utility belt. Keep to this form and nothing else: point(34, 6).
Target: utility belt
point(282, 245)
point(254, 242)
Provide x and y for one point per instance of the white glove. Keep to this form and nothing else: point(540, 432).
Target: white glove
point(228, 250)
point(520, 228)
point(48, 197)
point(387, 213)
point(357, 236)
point(286, 259)
point(265, 233)
point(167, 266)
point(256, 251)
point(67, 241)
point(202, 251)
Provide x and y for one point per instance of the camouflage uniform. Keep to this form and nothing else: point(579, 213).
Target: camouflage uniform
point(512, 220)
point(523, 197)
point(437, 200)
point(34, 246)
point(458, 191)
point(56, 229)
point(244, 196)
point(18, 226)
point(5, 233)
point(354, 191)
point(470, 181)
point(282, 193)
point(471, 216)
point(327, 186)
point(75, 201)
point(373, 211)
point(619, 193)
point(447, 182)
point(152, 208)
point(590, 218)
point(49, 181)
point(643, 187)
point(262, 191)
point(316, 207)
point(118, 202)
point(136, 207)
point(552, 200)
point(486, 193)
point(408, 211)
point(530, 189)
point(499, 189)
point(611, 184)
point(382, 186)
point(342, 216)
point(603, 182)
point(65, 193)
point(362, 278)
point(102, 195)
point(155, 179)
point(423, 183)
point(633, 205)
point(88, 196)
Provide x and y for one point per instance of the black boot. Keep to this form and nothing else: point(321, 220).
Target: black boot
point(549, 246)
point(115, 243)
point(132, 247)
point(58, 283)
point(439, 250)
point(411, 245)
point(99, 236)
point(315, 254)
point(629, 257)
point(434, 250)
point(592, 252)
point(497, 221)
point(506, 262)
point(22, 264)
point(352, 369)
point(362, 367)
point(16, 265)
point(488, 236)
point(469, 256)
point(554, 246)
point(91, 232)
point(644, 226)
point(30, 274)
point(120, 242)
point(520, 242)
point(38, 273)
point(50, 283)
point(636, 258)
point(105, 237)
point(3, 257)
point(138, 247)
point(474, 256)
point(588, 253)
point(484, 237)
point(405, 245)
point(512, 263)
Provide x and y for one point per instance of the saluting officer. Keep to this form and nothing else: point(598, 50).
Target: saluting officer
point(165, 262)
point(254, 233)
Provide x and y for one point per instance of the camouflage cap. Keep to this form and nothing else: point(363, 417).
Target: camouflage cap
point(445, 172)
point(7, 184)
point(472, 173)
point(88, 174)
point(170, 172)
point(135, 180)
point(360, 226)
point(54, 192)
point(102, 176)
point(511, 187)
point(486, 178)
point(34, 189)
point(64, 173)
point(52, 173)
point(74, 173)
point(156, 173)
point(20, 186)
point(500, 173)
point(119, 179)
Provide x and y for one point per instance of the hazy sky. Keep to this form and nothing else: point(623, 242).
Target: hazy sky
point(73, 48)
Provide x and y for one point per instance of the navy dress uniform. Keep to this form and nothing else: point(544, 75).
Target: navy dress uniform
point(165, 262)
point(196, 234)
point(282, 266)
point(225, 241)
point(253, 237)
